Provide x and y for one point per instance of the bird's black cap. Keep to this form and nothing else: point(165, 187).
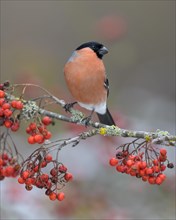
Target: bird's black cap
point(98, 48)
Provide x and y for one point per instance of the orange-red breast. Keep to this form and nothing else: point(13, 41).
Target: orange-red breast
point(86, 79)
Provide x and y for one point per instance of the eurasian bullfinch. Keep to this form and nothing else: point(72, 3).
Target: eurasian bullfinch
point(86, 79)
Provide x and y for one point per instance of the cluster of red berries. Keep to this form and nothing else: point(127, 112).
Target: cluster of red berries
point(138, 165)
point(9, 166)
point(7, 109)
point(34, 175)
point(39, 133)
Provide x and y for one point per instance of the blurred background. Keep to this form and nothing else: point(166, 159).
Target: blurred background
point(37, 38)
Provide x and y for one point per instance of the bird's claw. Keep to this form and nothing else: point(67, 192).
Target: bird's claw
point(68, 106)
point(86, 120)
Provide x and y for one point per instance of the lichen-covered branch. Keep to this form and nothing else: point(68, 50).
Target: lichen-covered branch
point(32, 108)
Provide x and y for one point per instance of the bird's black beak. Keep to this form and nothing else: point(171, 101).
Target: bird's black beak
point(102, 51)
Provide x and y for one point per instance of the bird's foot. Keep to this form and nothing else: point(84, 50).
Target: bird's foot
point(86, 120)
point(68, 106)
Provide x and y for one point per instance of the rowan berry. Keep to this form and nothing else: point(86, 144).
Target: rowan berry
point(13, 104)
point(7, 112)
point(15, 126)
point(162, 176)
point(47, 135)
point(6, 106)
point(156, 169)
point(129, 163)
point(25, 174)
point(2, 94)
point(151, 179)
point(31, 140)
point(43, 163)
point(32, 126)
point(9, 171)
point(142, 172)
point(113, 161)
point(8, 123)
point(48, 157)
point(60, 196)
point(149, 171)
point(19, 105)
point(158, 180)
point(145, 178)
point(68, 177)
point(2, 101)
point(52, 196)
point(162, 167)
point(142, 165)
point(1, 161)
point(163, 151)
point(28, 181)
point(38, 138)
point(62, 169)
point(53, 172)
point(155, 162)
point(46, 120)
point(21, 180)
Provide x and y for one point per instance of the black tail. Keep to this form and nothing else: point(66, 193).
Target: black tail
point(106, 118)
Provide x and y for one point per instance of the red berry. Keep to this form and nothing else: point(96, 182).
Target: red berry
point(163, 151)
point(15, 126)
point(28, 181)
point(47, 135)
point(149, 171)
point(113, 161)
point(68, 176)
point(2, 94)
point(48, 157)
point(31, 140)
point(142, 172)
point(19, 105)
point(60, 196)
point(129, 163)
point(33, 126)
point(2, 101)
point(7, 112)
point(162, 158)
point(162, 167)
point(120, 168)
point(156, 169)
point(13, 103)
point(162, 176)
point(53, 172)
point(6, 106)
point(155, 162)
point(1, 161)
point(43, 164)
point(5, 156)
point(145, 178)
point(9, 171)
point(8, 123)
point(62, 169)
point(52, 196)
point(151, 179)
point(158, 180)
point(38, 138)
point(25, 174)
point(46, 120)
point(142, 165)
point(21, 180)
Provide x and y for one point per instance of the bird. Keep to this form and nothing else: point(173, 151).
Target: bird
point(86, 79)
